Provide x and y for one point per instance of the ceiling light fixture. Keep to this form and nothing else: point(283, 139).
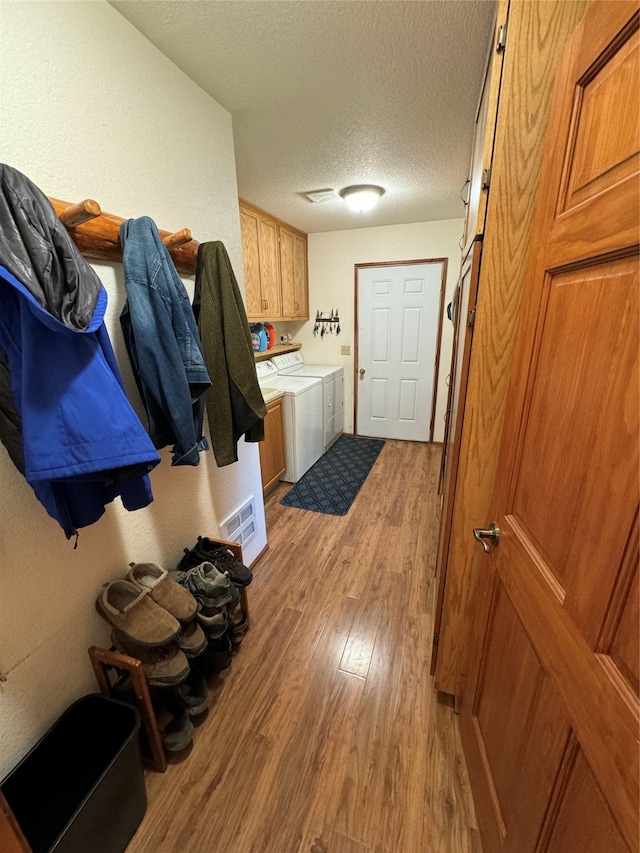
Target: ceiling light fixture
point(362, 197)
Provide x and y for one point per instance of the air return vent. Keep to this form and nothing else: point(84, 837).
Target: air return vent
point(318, 196)
point(240, 526)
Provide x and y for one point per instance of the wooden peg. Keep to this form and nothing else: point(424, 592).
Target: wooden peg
point(76, 214)
point(172, 241)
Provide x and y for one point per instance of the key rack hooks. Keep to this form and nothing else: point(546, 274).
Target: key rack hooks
point(97, 234)
point(327, 325)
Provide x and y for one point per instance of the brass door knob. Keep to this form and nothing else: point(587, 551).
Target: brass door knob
point(361, 371)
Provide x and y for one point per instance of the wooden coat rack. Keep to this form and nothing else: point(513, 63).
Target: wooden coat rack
point(97, 235)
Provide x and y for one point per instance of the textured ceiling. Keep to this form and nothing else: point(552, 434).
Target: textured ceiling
point(327, 93)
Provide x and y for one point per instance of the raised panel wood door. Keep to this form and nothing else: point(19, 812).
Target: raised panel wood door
point(550, 718)
point(287, 273)
point(300, 278)
point(465, 302)
point(251, 260)
point(293, 273)
point(269, 268)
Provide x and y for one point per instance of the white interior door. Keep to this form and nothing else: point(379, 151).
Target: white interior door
point(398, 322)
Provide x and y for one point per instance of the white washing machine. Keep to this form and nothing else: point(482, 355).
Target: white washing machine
point(302, 412)
point(293, 364)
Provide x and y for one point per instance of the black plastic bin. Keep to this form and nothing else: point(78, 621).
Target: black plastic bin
point(81, 788)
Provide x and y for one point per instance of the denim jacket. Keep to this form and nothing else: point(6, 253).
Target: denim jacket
point(163, 343)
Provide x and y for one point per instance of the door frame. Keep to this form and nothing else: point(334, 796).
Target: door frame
point(443, 285)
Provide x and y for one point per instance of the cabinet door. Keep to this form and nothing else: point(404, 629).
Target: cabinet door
point(269, 268)
point(251, 258)
point(293, 275)
point(272, 453)
point(300, 278)
point(484, 132)
point(287, 273)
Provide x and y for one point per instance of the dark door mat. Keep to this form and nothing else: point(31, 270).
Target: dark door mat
point(331, 485)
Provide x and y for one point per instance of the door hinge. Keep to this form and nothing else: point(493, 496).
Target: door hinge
point(486, 179)
point(436, 638)
point(501, 42)
point(471, 318)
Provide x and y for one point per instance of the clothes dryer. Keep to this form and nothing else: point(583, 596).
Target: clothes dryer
point(332, 375)
point(302, 412)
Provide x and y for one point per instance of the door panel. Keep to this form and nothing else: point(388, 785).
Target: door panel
point(270, 266)
point(551, 731)
point(287, 273)
point(584, 821)
point(521, 726)
point(251, 258)
point(300, 283)
point(572, 372)
point(398, 322)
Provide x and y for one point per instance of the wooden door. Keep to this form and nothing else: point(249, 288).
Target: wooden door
point(399, 311)
point(462, 339)
point(550, 717)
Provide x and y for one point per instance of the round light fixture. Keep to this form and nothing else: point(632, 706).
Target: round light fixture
point(362, 197)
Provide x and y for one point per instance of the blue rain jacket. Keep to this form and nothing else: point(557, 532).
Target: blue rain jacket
point(83, 445)
point(65, 420)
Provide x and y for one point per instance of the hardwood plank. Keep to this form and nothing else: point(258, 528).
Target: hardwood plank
point(298, 755)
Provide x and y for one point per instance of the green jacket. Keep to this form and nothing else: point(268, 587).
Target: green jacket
point(235, 405)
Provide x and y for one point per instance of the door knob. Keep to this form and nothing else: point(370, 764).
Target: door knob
point(361, 371)
point(480, 534)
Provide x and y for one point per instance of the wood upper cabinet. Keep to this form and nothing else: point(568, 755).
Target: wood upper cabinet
point(484, 133)
point(293, 270)
point(275, 267)
point(261, 265)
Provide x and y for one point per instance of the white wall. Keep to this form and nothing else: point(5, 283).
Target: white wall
point(90, 109)
point(332, 257)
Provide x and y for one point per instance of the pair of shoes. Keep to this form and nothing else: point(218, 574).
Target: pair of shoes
point(217, 657)
point(147, 606)
point(210, 586)
point(238, 623)
point(214, 620)
point(153, 619)
point(194, 693)
point(209, 551)
point(176, 600)
point(164, 666)
point(174, 723)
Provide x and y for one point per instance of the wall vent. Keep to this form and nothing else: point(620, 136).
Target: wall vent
point(320, 196)
point(240, 526)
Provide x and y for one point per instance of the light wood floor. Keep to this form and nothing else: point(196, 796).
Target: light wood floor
point(326, 735)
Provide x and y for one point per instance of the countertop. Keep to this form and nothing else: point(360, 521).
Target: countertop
point(271, 394)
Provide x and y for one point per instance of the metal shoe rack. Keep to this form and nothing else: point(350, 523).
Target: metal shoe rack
point(110, 666)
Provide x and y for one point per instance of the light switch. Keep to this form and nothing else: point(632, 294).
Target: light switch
point(345, 350)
